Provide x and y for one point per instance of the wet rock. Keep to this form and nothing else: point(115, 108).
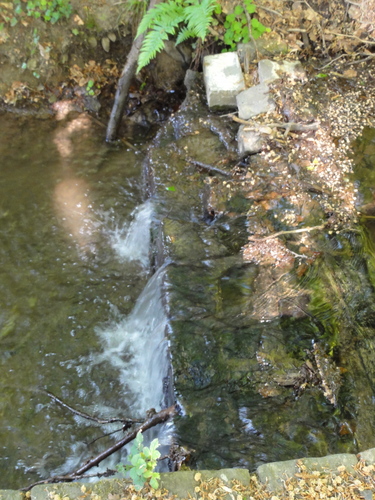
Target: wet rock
point(168, 68)
point(254, 101)
point(223, 79)
point(11, 495)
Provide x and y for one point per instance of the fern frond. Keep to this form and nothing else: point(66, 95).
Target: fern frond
point(168, 12)
point(198, 16)
point(154, 42)
point(184, 34)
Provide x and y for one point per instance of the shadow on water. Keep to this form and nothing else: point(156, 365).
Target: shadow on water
point(270, 363)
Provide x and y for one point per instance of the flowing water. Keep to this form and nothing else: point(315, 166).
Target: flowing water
point(80, 312)
point(268, 365)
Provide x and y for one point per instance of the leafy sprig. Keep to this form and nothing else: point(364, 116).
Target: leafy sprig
point(143, 461)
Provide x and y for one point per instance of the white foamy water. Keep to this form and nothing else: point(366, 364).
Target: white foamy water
point(137, 348)
point(132, 242)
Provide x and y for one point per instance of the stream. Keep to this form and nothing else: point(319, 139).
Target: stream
point(102, 292)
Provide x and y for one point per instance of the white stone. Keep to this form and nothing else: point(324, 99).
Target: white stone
point(254, 101)
point(269, 71)
point(249, 140)
point(223, 79)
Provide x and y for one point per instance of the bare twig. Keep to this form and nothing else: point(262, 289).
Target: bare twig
point(90, 417)
point(209, 168)
point(366, 42)
point(156, 419)
point(270, 10)
point(301, 230)
point(289, 126)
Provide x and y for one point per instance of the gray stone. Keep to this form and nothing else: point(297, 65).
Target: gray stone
point(253, 101)
point(247, 52)
point(249, 140)
point(223, 79)
point(274, 473)
point(90, 491)
point(331, 462)
point(182, 483)
point(269, 71)
point(11, 495)
point(368, 456)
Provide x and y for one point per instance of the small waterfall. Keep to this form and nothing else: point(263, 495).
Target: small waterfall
point(137, 348)
point(133, 242)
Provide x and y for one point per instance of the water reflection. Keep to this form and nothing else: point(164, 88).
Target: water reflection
point(72, 194)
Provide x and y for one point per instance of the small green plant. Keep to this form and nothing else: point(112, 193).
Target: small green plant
point(240, 27)
point(143, 461)
point(165, 20)
point(89, 87)
point(49, 10)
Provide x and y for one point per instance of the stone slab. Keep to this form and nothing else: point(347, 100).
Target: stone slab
point(223, 79)
point(11, 495)
point(247, 52)
point(368, 456)
point(269, 71)
point(249, 140)
point(274, 473)
point(331, 462)
point(182, 483)
point(101, 490)
point(254, 101)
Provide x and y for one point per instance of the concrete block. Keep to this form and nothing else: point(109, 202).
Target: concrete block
point(247, 52)
point(269, 71)
point(249, 140)
point(274, 473)
point(331, 462)
point(254, 101)
point(368, 456)
point(11, 495)
point(223, 79)
point(182, 483)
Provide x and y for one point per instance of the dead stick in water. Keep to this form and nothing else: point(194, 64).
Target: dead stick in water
point(275, 235)
point(290, 126)
point(90, 417)
point(209, 168)
point(156, 419)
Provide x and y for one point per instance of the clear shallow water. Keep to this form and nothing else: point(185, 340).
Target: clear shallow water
point(74, 245)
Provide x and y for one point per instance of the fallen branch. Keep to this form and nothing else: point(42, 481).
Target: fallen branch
point(301, 230)
point(209, 168)
point(289, 126)
point(155, 419)
point(124, 83)
point(90, 417)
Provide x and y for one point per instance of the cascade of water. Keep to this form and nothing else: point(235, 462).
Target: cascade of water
point(133, 242)
point(137, 348)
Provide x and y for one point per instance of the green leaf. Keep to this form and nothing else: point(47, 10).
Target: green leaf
point(321, 75)
point(238, 10)
point(237, 27)
point(230, 18)
point(75, 31)
point(170, 188)
point(154, 483)
point(218, 9)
